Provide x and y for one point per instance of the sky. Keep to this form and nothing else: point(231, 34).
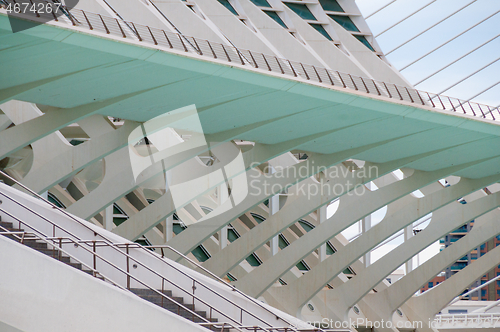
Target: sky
point(477, 11)
point(442, 82)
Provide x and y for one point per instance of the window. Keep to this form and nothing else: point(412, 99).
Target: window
point(278, 20)
point(431, 284)
point(200, 253)
point(232, 235)
point(331, 5)
point(53, 199)
point(226, 4)
point(258, 218)
point(282, 242)
point(345, 22)
point(261, 3)
point(307, 226)
point(330, 250)
point(321, 30)
point(302, 11)
point(457, 311)
point(253, 260)
point(302, 266)
point(365, 42)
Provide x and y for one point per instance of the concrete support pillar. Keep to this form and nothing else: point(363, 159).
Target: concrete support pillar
point(108, 217)
point(321, 218)
point(408, 234)
point(366, 224)
point(222, 196)
point(274, 206)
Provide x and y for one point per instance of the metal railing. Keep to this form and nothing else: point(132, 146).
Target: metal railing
point(161, 39)
point(477, 320)
point(91, 246)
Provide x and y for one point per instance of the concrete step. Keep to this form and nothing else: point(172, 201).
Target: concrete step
point(145, 291)
point(6, 224)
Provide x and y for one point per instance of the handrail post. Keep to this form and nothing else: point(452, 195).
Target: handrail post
point(128, 267)
point(352, 80)
point(60, 247)
point(277, 61)
point(152, 36)
point(137, 32)
point(407, 91)
point(341, 79)
point(239, 54)
point(484, 116)
point(329, 77)
point(182, 41)
point(213, 52)
point(319, 78)
point(430, 99)
point(442, 104)
point(303, 69)
point(389, 92)
point(453, 106)
point(419, 96)
point(267, 63)
point(362, 80)
point(472, 109)
point(88, 22)
point(104, 24)
point(94, 258)
point(197, 46)
point(376, 87)
point(253, 59)
point(37, 14)
point(168, 40)
point(121, 29)
point(227, 55)
point(399, 93)
point(293, 70)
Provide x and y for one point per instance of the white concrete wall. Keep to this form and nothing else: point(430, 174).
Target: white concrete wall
point(153, 261)
point(40, 294)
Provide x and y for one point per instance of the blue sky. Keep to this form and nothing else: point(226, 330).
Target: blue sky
point(437, 10)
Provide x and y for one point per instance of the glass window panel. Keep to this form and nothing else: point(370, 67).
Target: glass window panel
point(302, 267)
point(278, 20)
point(252, 260)
point(282, 242)
point(200, 254)
point(307, 226)
point(261, 3)
point(226, 4)
point(331, 5)
point(302, 11)
point(321, 30)
point(345, 22)
point(365, 42)
point(232, 235)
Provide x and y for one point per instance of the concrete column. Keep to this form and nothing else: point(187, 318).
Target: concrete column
point(408, 234)
point(222, 196)
point(168, 227)
point(321, 218)
point(108, 218)
point(366, 224)
point(274, 206)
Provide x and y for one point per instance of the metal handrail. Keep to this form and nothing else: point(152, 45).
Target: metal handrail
point(95, 272)
point(165, 40)
point(111, 244)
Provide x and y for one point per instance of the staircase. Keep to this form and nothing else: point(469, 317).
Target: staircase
point(146, 294)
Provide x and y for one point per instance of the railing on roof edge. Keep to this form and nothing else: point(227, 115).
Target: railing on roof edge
point(227, 53)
